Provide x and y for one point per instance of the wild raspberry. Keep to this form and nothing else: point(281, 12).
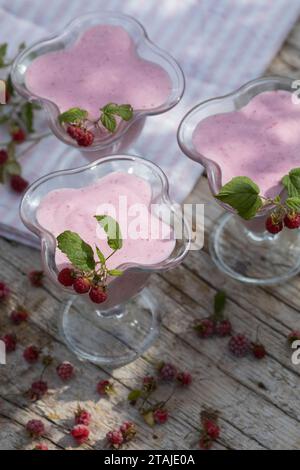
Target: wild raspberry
point(3, 157)
point(258, 350)
point(105, 387)
point(35, 428)
point(273, 226)
point(184, 378)
point(97, 295)
point(205, 328)
point(36, 278)
point(292, 221)
point(31, 354)
point(83, 137)
point(223, 328)
point(37, 390)
point(293, 336)
point(167, 371)
point(18, 135)
point(128, 431)
point(149, 383)
point(205, 442)
point(65, 371)
point(4, 291)
point(10, 341)
point(41, 446)
point(82, 285)
point(115, 439)
point(160, 416)
point(239, 345)
point(66, 277)
point(83, 417)
point(18, 184)
point(19, 316)
point(212, 429)
point(80, 433)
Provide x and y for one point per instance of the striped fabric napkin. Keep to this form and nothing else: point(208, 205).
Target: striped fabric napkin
point(220, 44)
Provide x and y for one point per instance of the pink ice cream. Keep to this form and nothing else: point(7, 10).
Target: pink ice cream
point(102, 66)
point(261, 140)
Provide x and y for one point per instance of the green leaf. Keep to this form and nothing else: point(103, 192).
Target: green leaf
point(3, 50)
point(242, 194)
point(100, 256)
point(108, 121)
point(291, 182)
point(73, 115)
point(219, 301)
point(115, 272)
point(293, 203)
point(112, 229)
point(125, 111)
point(79, 253)
point(134, 395)
point(26, 115)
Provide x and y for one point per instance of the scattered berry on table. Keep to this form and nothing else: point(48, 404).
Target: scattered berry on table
point(184, 378)
point(212, 429)
point(128, 430)
point(4, 291)
point(115, 439)
point(35, 428)
point(38, 389)
point(82, 285)
point(83, 417)
point(97, 295)
point(273, 226)
point(18, 184)
point(167, 371)
point(19, 315)
point(80, 433)
point(239, 345)
point(36, 278)
point(10, 341)
point(160, 416)
point(258, 350)
point(31, 354)
point(149, 383)
point(65, 371)
point(66, 277)
point(205, 442)
point(105, 387)
point(205, 328)
point(41, 446)
point(223, 328)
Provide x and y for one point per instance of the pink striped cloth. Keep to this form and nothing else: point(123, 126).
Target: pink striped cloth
point(219, 43)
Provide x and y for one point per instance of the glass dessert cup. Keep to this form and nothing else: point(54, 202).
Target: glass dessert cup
point(127, 132)
point(127, 323)
point(242, 249)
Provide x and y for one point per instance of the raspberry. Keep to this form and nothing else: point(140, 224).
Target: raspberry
point(80, 433)
point(38, 389)
point(35, 428)
point(83, 137)
point(82, 285)
point(205, 328)
point(149, 383)
point(115, 439)
point(212, 429)
point(10, 341)
point(4, 291)
point(83, 417)
point(18, 184)
point(65, 370)
point(258, 350)
point(36, 278)
point(239, 345)
point(184, 378)
point(41, 446)
point(66, 277)
point(205, 442)
point(31, 354)
point(167, 371)
point(273, 226)
point(19, 316)
point(128, 430)
point(223, 328)
point(105, 387)
point(18, 135)
point(97, 295)
point(293, 336)
point(292, 221)
point(160, 416)
point(3, 157)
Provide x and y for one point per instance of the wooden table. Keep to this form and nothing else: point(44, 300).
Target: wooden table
point(259, 401)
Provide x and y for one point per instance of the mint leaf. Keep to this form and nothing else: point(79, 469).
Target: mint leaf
point(293, 203)
point(242, 194)
point(3, 50)
point(110, 110)
point(79, 253)
point(291, 182)
point(219, 302)
point(100, 256)
point(125, 111)
point(109, 121)
point(73, 115)
point(115, 272)
point(26, 114)
point(112, 229)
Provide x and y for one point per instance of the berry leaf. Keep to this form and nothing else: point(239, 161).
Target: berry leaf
point(293, 203)
point(112, 229)
point(242, 194)
point(108, 121)
point(291, 182)
point(115, 272)
point(125, 111)
point(73, 115)
point(134, 395)
point(219, 302)
point(26, 114)
point(100, 256)
point(79, 253)
point(3, 50)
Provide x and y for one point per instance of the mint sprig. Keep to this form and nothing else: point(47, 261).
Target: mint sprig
point(77, 250)
point(73, 116)
point(112, 229)
point(291, 182)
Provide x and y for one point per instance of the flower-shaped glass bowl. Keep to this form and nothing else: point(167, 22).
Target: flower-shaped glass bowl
point(243, 250)
point(127, 323)
point(127, 132)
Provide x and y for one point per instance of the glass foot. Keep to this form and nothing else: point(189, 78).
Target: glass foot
point(255, 258)
point(113, 337)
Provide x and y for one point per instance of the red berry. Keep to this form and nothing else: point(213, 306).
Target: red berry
point(258, 351)
point(31, 354)
point(83, 417)
point(212, 429)
point(19, 316)
point(115, 439)
point(128, 430)
point(41, 446)
point(83, 137)
point(160, 416)
point(4, 291)
point(167, 371)
point(223, 328)
point(65, 370)
point(3, 157)
point(35, 428)
point(82, 285)
point(205, 328)
point(36, 278)
point(66, 277)
point(205, 442)
point(273, 226)
point(149, 383)
point(38, 389)
point(105, 387)
point(293, 336)
point(18, 184)
point(10, 341)
point(18, 135)
point(97, 295)
point(80, 433)
point(239, 345)
point(292, 221)
point(184, 378)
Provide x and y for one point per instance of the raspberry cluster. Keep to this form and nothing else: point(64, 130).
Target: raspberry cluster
point(118, 437)
point(80, 432)
point(275, 222)
point(82, 285)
